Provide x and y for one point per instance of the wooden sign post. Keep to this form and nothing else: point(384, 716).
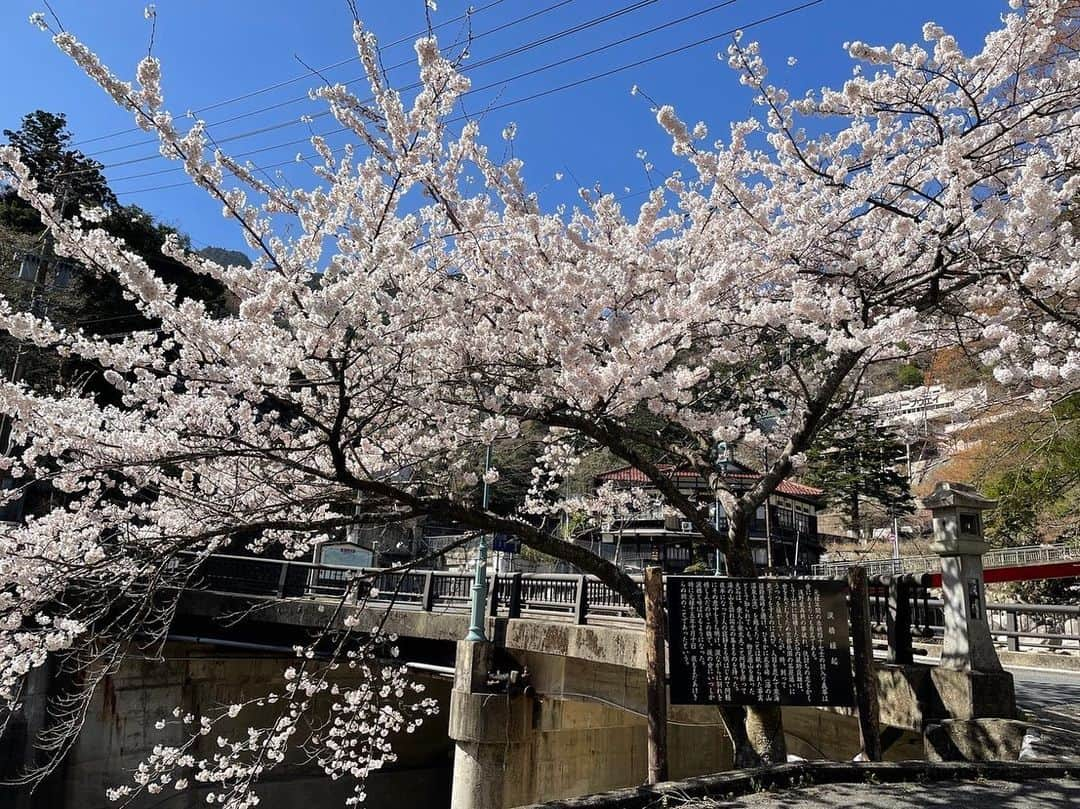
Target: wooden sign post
point(863, 656)
point(656, 674)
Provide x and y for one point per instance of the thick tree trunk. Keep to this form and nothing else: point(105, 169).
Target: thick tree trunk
point(765, 732)
point(854, 514)
point(759, 736)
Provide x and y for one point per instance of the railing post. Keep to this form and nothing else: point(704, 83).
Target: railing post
point(898, 621)
point(514, 608)
point(581, 607)
point(493, 594)
point(1013, 627)
point(282, 577)
point(427, 595)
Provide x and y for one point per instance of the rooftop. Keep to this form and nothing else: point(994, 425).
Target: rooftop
point(630, 474)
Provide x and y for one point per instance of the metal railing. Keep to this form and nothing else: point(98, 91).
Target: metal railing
point(900, 606)
point(901, 609)
point(515, 595)
point(931, 563)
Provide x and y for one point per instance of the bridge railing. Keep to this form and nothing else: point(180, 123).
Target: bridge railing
point(900, 606)
point(931, 563)
point(575, 597)
point(902, 610)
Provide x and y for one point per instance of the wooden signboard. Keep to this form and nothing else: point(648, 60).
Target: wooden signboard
point(758, 641)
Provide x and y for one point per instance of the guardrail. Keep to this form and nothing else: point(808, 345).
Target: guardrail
point(902, 610)
point(550, 595)
point(900, 606)
point(931, 563)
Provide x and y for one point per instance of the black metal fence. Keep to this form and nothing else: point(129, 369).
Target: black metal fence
point(902, 610)
point(900, 605)
point(551, 595)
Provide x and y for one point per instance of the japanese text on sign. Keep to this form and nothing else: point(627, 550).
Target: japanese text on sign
point(758, 641)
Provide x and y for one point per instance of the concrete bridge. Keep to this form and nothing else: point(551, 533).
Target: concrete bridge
point(580, 649)
point(572, 723)
point(578, 727)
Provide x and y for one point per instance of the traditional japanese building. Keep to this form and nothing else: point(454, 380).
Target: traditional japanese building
point(783, 535)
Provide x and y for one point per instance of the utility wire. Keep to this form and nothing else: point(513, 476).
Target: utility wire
point(284, 83)
point(507, 104)
point(404, 63)
point(490, 85)
point(498, 57)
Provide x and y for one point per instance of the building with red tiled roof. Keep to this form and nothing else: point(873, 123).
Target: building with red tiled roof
point(783, 534)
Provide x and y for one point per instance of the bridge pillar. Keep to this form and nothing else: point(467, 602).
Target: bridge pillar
point(970, 681)
point(489, 729)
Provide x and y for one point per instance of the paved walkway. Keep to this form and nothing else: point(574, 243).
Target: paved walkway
point(1047, 794)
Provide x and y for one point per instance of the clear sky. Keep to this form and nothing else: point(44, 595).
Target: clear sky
point(216, 51)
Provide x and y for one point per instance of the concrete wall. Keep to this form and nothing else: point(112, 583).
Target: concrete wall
point(119, 731)
point(579, 747)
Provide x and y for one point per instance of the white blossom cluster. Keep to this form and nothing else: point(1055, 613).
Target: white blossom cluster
point(346, 729)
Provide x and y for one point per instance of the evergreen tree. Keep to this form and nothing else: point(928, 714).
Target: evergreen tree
point(856, 462)
point(73, 178)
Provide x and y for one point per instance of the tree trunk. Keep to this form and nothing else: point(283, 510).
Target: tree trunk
point(765, 732)
point(854, 515)
point(757, 732)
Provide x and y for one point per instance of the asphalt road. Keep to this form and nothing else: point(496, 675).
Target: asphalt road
point(1038, 689)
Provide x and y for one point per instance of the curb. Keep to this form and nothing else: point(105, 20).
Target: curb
point(1048, 661)
point(743, 782)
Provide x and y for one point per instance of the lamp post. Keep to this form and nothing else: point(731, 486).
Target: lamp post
point(479, 588)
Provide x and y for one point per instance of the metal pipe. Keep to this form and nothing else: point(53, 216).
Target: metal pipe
point(430, 668)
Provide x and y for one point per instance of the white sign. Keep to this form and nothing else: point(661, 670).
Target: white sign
point(345, 554)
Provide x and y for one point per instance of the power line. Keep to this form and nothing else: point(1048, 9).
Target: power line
point(270, 87)
point(498, 57)
point(490, 85)
point(299, 99)
point(523, 99)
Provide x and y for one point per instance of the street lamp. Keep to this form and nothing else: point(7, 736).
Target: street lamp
point(479, 588)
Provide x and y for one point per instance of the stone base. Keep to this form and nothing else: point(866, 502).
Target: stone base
point(904, 691)
point(975, 740)
point(916, 695)
point(959, 694)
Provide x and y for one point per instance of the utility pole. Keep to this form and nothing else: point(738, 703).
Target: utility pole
point(768, 526)
point(41, 273)
point(895, 541)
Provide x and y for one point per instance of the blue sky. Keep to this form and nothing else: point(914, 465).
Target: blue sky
point(214, 52)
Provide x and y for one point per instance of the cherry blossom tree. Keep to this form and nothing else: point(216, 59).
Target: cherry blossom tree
point(416, 304)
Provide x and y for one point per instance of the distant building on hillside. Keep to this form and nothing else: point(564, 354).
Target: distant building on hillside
point(946, 409)
point(927, 418)
point(784, 533)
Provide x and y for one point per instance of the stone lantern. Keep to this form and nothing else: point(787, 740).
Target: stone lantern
point(970, 682)
point(959, 540)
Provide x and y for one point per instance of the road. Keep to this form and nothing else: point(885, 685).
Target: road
point(1051, 699)
point(1037, 689)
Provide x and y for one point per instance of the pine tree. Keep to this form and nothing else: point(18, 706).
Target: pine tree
point(856, 462)
point(76, 180)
